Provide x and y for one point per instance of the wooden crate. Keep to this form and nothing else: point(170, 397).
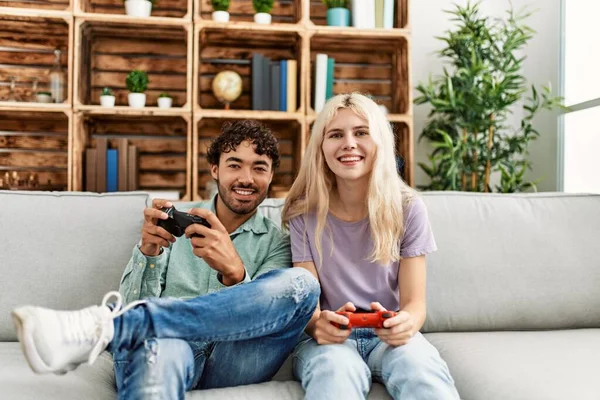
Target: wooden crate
point(291, 146)
point(44, 5)
point(376, 66)
point(220, 50)
point(163, 143)
point(318, 13)
point(109, 51)
point(161, 8)
point(404, 148)
point(27, 47)
point(284, 11)
point(35, 144)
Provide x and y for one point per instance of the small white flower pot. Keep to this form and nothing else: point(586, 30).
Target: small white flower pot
point(138, 8)
point(107, 101)
point(262, 18)
point(220, 16)
point(165, 102)
point(43, 98)
point(136, 100)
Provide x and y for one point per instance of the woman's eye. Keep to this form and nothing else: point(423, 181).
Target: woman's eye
point(362, 133)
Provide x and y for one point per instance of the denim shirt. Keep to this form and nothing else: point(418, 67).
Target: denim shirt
point(177, 272)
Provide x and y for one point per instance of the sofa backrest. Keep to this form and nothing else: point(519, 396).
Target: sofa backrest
point(63, 250)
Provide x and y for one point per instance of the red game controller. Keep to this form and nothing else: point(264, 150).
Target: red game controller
point(364, 320)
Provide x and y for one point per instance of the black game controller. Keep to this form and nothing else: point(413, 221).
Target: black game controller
point(178, 221)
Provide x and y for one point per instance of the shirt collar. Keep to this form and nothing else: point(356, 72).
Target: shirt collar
point(257, 223)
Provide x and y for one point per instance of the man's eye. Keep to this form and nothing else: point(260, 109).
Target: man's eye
point(261, 169)
point(234, 166)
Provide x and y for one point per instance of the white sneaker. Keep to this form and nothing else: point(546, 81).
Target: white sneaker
point(59, 341)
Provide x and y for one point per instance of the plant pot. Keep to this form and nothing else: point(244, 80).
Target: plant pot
point(165, 102)
point(220, 16)
point(43, 98)
point(338, 16)
point(138, 8)
point(136, 100)
point(107, 101)
point(262, 18)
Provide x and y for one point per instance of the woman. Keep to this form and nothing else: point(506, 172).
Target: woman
point(364, 234)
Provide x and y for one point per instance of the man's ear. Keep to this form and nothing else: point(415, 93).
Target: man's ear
point(214, 171)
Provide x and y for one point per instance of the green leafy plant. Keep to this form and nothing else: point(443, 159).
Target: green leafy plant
point(220, 5)
point(165, 94)
point(335, 3)
point(46, 93)
point(107, 92)
point(480, 86)
point(262, 6)
point(137, 81)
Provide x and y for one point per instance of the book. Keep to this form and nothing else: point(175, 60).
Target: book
point(379, 13)
point(90, 170)
point(257, 81)
point(275, 81)
point(123, 152)
point(132, 168)
point(329, 85)
point(112, 167)
point(388, 14)
point(363, 14)
point(266, 87)
point(101, 146)
point(320, 81)
point(292, 78)
point(282, 85)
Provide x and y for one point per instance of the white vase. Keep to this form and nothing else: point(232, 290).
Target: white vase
point(43, 98)
point(138, 8)
point(136, 100)
point(107, 101)
point(262, 18)
point(220, 16)
point(165, 102)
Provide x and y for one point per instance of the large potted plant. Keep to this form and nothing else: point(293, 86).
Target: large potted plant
point(262, 9)
point(139, 8)
point(337, 13)
point(137, 83)
point(220, 13)
point(470, 102)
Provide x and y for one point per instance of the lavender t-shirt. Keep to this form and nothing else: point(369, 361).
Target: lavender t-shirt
point(346, 274)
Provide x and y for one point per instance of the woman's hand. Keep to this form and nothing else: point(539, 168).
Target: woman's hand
point(397, 330)
point(326, 333)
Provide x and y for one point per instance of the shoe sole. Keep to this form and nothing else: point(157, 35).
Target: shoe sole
point(24, 328)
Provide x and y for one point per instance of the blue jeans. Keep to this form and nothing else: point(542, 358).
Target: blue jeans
point(237, 336)
point(345, 371)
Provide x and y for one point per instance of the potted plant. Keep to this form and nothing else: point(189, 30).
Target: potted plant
point(165, 100)
point(107, 98)
point(471, 101)
point(137, 83)
point(139, 8)
point(44, 97)
point(262, 8)
point(337, 13)
point(220, 14)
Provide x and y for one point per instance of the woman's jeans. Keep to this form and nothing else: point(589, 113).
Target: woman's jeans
point(414, 371)
point(237, 336)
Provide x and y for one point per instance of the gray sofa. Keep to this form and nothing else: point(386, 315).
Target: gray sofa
point(513, 291)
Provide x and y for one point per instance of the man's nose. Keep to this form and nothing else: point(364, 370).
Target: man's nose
point(246, 176)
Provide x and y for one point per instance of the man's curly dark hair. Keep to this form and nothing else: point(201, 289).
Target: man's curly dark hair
point(234, 133)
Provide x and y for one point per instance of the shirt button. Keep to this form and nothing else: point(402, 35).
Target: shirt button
point(151, 266)
point(141, 264)
point(134, 291)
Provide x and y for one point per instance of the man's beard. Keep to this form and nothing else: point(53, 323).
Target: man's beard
point(240, 207)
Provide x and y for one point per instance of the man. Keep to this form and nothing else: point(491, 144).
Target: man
point(245, 309)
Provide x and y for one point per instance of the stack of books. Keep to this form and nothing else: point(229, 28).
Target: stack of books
point(370, 14)
point(111, 169)
point(274, 84)
point(324, 78)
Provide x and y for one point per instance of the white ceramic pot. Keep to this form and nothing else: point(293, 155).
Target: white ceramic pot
point(262, 18)
point(107, 101)
point(43, 98)
point(136, 100)
point(138, 8)
point(165, 102)
point(220, 16)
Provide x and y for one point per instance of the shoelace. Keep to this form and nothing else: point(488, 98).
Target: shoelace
point(117, 311)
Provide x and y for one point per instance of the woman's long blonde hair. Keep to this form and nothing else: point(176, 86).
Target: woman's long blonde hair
point(387, 192)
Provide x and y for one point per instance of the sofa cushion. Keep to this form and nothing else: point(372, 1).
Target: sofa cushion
point(549, 365)
point(516, 262)
point(63, 250)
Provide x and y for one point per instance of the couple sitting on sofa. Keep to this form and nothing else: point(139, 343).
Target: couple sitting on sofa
point(351, 220)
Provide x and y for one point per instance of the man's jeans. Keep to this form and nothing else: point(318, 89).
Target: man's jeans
point(345, 371)
point(237, 336)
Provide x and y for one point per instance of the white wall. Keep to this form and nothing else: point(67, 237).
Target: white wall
point(541, 67)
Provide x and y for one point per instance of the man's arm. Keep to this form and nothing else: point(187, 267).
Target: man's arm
point(144, 276)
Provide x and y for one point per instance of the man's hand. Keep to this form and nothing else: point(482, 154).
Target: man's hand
point(398, 330)
point(326, 333)
point(216, 247)
point(153, 236)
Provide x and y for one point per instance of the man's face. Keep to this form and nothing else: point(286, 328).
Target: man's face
point(243, 178)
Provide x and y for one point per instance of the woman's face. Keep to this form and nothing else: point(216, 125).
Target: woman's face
point(348, 147)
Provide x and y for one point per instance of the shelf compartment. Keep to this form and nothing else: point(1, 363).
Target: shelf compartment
point(318, 13)
point(161, 8)
point(291, 145)
point(109, 51)
point(284, 11)
point(163, 144)
point(219, 50)
point(36, 5)
point(35, 143)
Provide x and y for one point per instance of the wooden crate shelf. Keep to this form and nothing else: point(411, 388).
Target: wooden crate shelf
point(163, 143)
point(27, 47)
point(291, 147)
point(109, 51)
point(284, 11)
point(318, 13)
point(404, 148)
point(35, 144)
point(232, 49)
point(34, 5)
point(162, 8)
point(375, 66)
